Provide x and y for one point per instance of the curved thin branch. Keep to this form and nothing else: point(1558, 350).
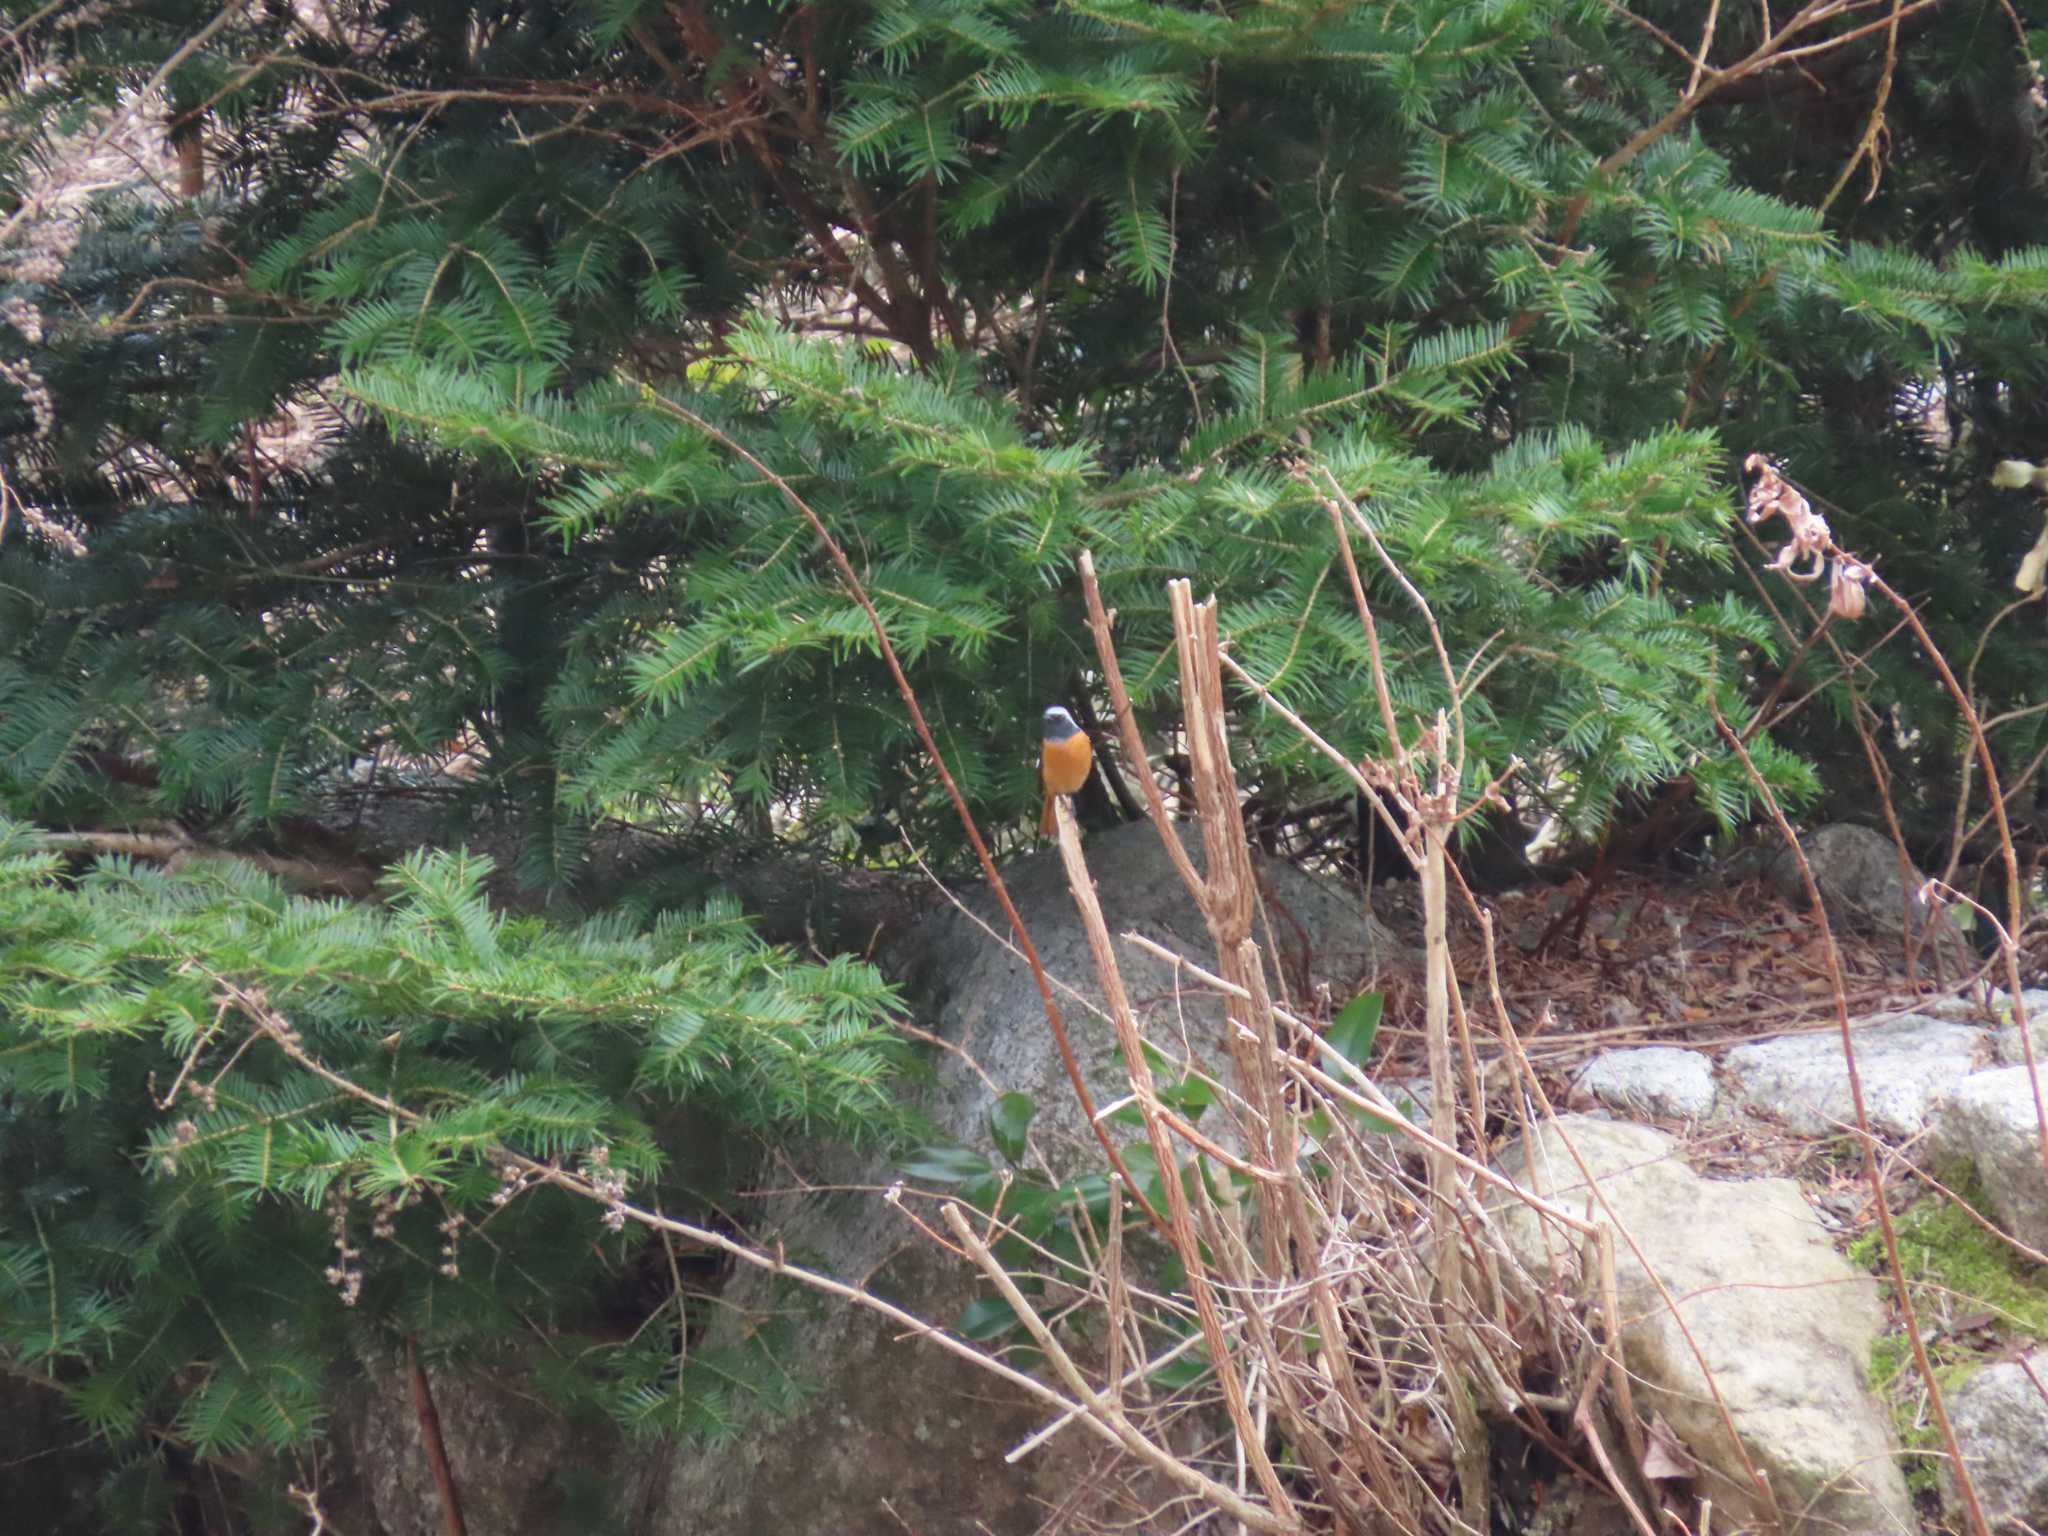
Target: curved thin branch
point(1068, 1060)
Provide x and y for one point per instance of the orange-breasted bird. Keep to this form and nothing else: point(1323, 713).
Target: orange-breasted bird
point(1064, 760)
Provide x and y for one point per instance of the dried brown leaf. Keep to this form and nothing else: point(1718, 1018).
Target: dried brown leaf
point(1665, 1455)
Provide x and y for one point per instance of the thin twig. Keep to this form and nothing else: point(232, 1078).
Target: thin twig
point(1103, 1411)
point(855, 588)
point(1873, 1173)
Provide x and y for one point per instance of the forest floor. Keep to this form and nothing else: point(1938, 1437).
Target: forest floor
point(1657, 960)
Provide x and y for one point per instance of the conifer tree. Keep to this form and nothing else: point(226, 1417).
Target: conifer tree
point(352, 421)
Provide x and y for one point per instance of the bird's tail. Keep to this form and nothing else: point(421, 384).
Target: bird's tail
point(1045, 822)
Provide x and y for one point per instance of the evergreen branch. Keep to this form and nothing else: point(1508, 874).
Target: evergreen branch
point(256, 1009)
point(1075, 1078)
point(1772, 52)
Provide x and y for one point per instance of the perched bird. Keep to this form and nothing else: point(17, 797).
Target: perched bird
point(1064, 759)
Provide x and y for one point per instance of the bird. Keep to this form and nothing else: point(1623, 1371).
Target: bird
point(1064, 760)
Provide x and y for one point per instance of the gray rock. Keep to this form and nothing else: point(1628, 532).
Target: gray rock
point(897, 1434)
point(980, 997)
point(2001, 1424)
point(1995, 1008)
point(1657, 1080)
point(1783, 1322)
point(1989, 1121)
point(2036, 999)
point(2011, 1051)
point(1964, 1009)
point(1861, 885)
point(1906, 1062)
point(2007, 1045)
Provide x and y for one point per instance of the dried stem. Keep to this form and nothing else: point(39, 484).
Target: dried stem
point(1181, 1230)
point(1873, 1173)
point(1101, 1410)
point(1099, 624)
point(1075, 1077)
point(1809, 536)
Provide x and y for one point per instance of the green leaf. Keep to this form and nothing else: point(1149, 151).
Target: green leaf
point(1379, 1125)
point(1181, 1371)
point(984, 1190)
point(1092, 1191)
point(1032, 1208)
point(946, 1164)
point(1190, 1096)
point(1352, 1032)
point(1009, 1122)
point(986, 1319)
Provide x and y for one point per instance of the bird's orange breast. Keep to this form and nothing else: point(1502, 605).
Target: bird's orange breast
point(1066, 763)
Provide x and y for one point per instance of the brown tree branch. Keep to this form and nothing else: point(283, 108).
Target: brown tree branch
point(452, 1523)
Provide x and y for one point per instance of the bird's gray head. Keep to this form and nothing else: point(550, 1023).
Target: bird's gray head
point(1059, 725)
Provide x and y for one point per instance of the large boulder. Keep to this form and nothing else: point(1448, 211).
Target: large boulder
point(1996, 1009)
point(519, 1466)
point(1661, 1082)
point(978, 994)
point(1906, 1062)
point(2010, 1048)
point(2001, 1424)
point(1782, 1321)
point(1864, 887)
point(897, 1434)
point(1989, 1121)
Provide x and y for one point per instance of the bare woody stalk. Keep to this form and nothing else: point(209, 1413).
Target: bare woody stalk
point(1873, 1172)
point(1980, 744)
point(1812, 549)
point(1100, 622)
point(1428, 780)
point(1860, 715)
point(1356, 1477)
point(1290, 1234)
point(1224, 896)
point(1426, 785)
point(1226, 891)
point(452, 1523)
point(1186, 1245)
point(1358, 1092)
point(858, 590)
point(1430, 803)
point(1101, 1409)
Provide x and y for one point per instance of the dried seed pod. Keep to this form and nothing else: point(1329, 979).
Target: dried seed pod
point(1846, 598)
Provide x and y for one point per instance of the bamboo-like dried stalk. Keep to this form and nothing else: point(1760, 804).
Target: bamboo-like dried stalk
point(1186, 1245)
